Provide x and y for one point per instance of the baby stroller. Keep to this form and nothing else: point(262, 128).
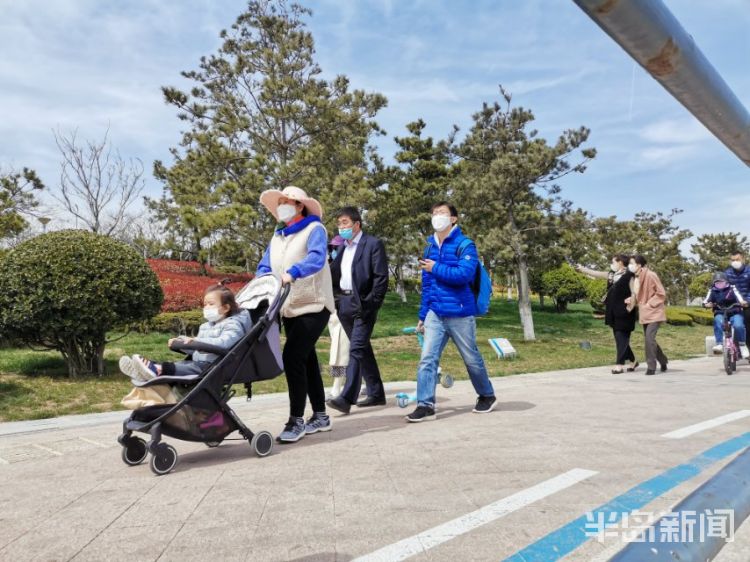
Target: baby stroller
point(201, 412)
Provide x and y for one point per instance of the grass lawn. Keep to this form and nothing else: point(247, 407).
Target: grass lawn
point(35, 385)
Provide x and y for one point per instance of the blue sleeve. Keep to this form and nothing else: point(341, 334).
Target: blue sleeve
point(317, 244)
point(424, 307)
point(264, 266)
point(461, 273)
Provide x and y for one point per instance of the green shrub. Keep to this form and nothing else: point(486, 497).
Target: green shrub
point(411, 284)
point(700, 316)
point(230, 269)
point(676, 318)
point(564, 285)
point(595, 291)
point(177, 323)
point(64, 291)
point(699, 285)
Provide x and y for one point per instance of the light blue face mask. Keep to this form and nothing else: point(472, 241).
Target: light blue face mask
point(346, 233)
point(334, 253)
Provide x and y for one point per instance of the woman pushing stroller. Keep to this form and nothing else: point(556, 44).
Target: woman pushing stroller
point(225, 325)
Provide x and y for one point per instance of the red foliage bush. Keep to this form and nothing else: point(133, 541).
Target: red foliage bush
point(183, 284)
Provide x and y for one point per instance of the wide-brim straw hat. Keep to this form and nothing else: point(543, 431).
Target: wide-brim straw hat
point(270, 200)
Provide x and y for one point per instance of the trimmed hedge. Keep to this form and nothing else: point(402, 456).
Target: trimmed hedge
point(700, 316)
point(677, 318)
point(66, 289)
point(185, 323)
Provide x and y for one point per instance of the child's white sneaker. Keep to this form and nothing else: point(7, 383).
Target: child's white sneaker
point(129, 368)
point(718, 348)
point(146, 369)
point(744, 351)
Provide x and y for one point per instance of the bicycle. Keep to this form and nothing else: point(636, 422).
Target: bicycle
point(730, 349)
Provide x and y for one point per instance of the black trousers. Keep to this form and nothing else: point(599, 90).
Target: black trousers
point(301, 365)
point(746, 315)
point(622, 343)
point(362, 362)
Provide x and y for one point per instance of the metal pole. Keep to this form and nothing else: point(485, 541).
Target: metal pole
point(649, 33)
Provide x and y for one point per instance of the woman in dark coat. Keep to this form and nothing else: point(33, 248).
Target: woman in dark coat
point(618, 315)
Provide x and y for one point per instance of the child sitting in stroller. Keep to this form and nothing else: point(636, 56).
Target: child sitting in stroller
point(226, 325)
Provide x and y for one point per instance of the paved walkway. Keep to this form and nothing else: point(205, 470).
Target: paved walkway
point(464, 487)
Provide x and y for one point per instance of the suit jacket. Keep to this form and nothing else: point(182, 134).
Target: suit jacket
point(369, 273)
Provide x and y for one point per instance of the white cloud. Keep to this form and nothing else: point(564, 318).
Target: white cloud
point(676, 131)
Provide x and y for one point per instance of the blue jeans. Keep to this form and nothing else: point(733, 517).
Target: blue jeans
point(736, 320)
point(463, 332)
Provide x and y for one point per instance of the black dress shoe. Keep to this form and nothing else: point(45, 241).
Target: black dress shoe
point(664, 368)
point(339, 404)
point(371, 401)
point(650, 371)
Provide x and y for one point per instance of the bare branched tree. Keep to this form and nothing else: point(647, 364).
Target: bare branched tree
point(96, 184)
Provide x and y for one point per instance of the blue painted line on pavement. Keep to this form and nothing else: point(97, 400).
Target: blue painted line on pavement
point(567, 538)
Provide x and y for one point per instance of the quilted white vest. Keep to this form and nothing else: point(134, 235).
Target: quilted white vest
point(308, 294)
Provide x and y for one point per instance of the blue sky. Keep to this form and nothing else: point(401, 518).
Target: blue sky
point(89, 64)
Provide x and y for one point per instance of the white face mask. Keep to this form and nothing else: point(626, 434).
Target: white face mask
point(286, 212)
point(736, 264)
point(440, 222)
point(212, 314)
point(632, 268)
point(615, 266)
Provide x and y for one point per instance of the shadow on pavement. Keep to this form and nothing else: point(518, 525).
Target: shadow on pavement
point(345, 427)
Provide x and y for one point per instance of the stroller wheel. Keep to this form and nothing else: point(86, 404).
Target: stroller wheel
point(446, 381)
point(262, 443)
point(134, 451)
point(212, 444)
point(164, 460)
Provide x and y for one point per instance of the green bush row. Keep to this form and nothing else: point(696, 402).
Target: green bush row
point(677, 318)
point(700, 316)
point(176, 323)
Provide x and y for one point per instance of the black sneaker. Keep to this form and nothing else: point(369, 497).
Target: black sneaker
point(422, 413)
point(485, 404)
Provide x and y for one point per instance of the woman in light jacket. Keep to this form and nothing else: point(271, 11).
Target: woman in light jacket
point(652, 310)
point(618, 314)
point(298, 255)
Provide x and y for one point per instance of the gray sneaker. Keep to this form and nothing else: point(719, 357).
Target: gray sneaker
point(319, 421)
point(294, 430)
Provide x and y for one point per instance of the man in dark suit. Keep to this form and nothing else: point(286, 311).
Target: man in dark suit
point(360, 281)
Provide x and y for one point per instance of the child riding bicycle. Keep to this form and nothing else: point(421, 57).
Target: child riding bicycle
point(724, 298)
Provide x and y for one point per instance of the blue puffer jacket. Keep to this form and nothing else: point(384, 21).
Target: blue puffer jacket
point(447, 290)
point(740, 279)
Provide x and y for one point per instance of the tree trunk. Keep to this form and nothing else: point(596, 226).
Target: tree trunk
point(524, 299)
point(541, 299)
point(84, 358)
point(400, 289)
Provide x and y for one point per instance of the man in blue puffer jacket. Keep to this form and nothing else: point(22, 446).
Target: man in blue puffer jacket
point(738, 274)
point(448, 310)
